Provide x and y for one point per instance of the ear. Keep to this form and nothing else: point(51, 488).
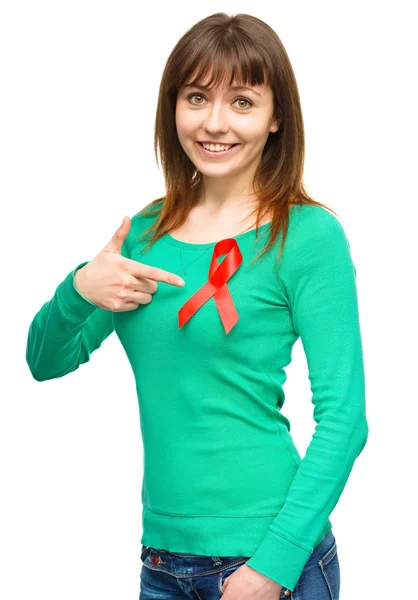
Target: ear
point(274, 126)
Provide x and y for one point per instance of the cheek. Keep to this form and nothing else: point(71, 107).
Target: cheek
point(185, 122)
point(181, 132)
point(184, 141)
point(179, 123)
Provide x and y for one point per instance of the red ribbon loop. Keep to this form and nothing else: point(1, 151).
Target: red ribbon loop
point(217, 286)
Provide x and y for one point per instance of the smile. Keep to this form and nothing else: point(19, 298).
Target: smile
point(219, 154)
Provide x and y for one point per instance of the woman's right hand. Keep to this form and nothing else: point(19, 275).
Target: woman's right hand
point(116, 283)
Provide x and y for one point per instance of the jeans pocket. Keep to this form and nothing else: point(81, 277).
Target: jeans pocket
point(330, 569)
point(145, 550)
point(227, 571)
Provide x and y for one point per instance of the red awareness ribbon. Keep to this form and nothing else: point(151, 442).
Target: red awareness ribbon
point(217, 286)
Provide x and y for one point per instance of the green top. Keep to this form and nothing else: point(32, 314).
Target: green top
point(222, 476)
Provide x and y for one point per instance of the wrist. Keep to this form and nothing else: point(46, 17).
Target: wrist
point(79, 279)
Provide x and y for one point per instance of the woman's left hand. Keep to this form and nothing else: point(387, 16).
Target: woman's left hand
point(248, 584)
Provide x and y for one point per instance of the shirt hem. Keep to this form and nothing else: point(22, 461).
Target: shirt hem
point(208, 535)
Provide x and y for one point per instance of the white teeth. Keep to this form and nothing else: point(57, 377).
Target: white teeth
point(216, 147)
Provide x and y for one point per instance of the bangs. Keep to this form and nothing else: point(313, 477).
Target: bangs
point(224, 64)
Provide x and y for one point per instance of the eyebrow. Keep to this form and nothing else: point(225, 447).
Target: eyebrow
point(232, 87)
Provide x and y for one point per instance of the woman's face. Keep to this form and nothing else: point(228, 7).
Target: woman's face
point(225, 116)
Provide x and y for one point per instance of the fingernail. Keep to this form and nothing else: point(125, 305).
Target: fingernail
point(180, 281)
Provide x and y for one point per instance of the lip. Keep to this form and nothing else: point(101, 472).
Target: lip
point(219, 154)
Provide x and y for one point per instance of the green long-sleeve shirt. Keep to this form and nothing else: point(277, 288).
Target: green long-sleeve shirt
point(222, 475)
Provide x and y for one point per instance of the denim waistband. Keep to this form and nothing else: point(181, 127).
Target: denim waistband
point(187, 565)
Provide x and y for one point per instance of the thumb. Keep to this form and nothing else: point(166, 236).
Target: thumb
point(120, 235)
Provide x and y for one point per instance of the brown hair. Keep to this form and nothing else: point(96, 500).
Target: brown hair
point(243, 47)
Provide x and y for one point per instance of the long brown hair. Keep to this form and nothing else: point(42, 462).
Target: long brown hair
point(243, 47)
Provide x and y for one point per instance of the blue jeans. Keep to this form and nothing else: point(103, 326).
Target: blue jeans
point(167, 575)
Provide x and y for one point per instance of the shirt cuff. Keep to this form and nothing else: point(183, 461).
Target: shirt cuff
point(279, 559)
point(72, 303)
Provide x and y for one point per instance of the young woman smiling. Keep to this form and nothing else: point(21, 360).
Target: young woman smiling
point(230, 508)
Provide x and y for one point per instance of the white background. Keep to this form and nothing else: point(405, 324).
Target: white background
point(79, 84)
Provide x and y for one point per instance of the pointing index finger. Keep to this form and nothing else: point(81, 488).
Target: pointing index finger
point(155, 273)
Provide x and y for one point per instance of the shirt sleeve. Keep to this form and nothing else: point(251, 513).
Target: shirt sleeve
point(66, 330)
point(319, 279)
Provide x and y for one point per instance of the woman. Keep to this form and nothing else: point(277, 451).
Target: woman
point(229, 507)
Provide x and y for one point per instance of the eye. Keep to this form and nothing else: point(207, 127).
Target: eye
point(240, 98)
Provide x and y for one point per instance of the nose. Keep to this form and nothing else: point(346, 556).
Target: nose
point(216, 122)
